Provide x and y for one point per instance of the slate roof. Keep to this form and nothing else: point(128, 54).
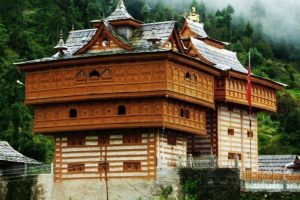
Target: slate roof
point(119, 13)
point(222, 58)
point(77, 39)
point(275, 163)
point(197, 28)
point(8, 154)
point(161, 30)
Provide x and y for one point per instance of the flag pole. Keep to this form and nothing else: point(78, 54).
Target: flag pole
point(249, 95)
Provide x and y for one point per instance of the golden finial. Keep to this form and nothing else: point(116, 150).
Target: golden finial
point(193, 16)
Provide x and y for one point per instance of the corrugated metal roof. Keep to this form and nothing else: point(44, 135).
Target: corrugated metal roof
point(119, 13)
point(8, 154)
point(275, 163)
point(197, 28)
point(222, 58)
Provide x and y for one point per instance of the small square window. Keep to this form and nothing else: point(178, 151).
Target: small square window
point(104, 140)
point(76, 141)
point(230, 131)
point(132, 166)
point(250, 134)
point(76, 168)
point(132, 138)
point(102, 166)
point(232, 156)
point(171, 140)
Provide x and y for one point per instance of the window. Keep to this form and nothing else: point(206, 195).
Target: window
point(105, 42)
point(184, 113)
point(94, 74)
point(230, 108)
point(73, 113)
point(132, 138)
point(171, 140)
point(230, 131)
point(132, 166)
point(232, 156)
point(187, 76)
point(250, 134)
point(103, 140)
point(76, 141)
point(181, 112)
point(122, 110)
point(102, 166)
point(73, 168)
point(187, 114)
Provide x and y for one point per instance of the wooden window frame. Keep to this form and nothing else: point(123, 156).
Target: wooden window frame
point(121, 110)
point(171, 140)
point(101, 167)
point(73, 113)
point(103, 140)
point(74, 141)
point(230, 131)
point(132, 166)
point(76, 168)
point(250, 134)
point(231, 156)
point(132, 138)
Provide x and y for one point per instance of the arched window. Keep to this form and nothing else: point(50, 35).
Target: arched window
point(187, 76)
point(94, 74)
point(187, 114)
point(122, 110)
point(73, 113)
point(181, 112)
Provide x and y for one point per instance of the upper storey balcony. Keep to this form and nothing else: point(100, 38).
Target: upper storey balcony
point(121, 80)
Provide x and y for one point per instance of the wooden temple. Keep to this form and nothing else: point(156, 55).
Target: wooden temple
point(142, 96)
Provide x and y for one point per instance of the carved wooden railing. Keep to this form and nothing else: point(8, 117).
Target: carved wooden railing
point(263, 176)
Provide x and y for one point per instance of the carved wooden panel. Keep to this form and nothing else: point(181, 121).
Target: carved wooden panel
point(195, 85)
point(234, 90)
point(87, 82)
point(104, 115)
point(194, 117)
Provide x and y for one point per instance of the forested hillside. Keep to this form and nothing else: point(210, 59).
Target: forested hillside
point(30, 29)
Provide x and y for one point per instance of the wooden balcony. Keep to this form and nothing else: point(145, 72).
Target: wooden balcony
point(138, 113)
point(127, 80)
point(235, 91)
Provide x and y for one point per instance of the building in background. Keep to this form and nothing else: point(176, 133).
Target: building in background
point(12, 162)
point(140, 98)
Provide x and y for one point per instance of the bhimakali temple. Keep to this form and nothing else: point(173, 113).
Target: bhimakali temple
point(128, 100)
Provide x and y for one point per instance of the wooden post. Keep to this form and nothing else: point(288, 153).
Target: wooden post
point(106, 179)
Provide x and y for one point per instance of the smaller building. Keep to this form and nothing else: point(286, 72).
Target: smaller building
point(13, 162)
point(279, 163)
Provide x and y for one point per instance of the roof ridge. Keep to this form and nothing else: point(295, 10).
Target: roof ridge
point(90, 29)
point(164, 22)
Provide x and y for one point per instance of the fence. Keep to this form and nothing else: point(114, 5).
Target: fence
point(27, 170)
point(201, 162)
point(263, 176)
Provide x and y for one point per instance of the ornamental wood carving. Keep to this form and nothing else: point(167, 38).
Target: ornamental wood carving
point(106, 115)
point(234, 90)
point(120, 80)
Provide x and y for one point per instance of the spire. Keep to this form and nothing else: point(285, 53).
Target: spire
point(119, 13)
point(60, 47)
point(193, 16)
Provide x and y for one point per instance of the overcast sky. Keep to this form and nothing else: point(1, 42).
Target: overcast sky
point(282, 17)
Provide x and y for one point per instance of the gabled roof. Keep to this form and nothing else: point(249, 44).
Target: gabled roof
point(120, 13)
point(161, 30)
point(196, 28)
point(78, 39)
point(221, 58)
point(275, 163)
point(8, 154)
